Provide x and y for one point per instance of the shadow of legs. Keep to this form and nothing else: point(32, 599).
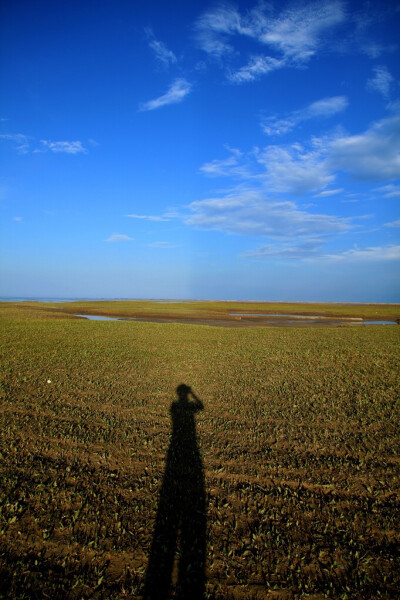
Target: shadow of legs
point(181, 518)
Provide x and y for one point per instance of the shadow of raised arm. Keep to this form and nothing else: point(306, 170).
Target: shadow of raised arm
point(197, 402)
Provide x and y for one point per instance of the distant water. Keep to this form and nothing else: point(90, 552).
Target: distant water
point(36, 299)
point(39, 299)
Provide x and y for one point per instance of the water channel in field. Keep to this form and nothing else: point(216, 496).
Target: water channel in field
point(265, 318)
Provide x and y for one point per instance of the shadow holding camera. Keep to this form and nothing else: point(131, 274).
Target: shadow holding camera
point(177, 558)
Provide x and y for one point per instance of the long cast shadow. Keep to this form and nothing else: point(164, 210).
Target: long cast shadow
point(180, 527)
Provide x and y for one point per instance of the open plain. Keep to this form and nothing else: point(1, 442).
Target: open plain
point(280, 482)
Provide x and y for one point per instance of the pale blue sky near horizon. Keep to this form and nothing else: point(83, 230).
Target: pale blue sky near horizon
point(210, 150)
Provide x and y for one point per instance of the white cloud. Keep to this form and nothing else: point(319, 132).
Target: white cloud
point(17, 219)
point(20, 140)
point(75, 147)
point(162, 53)
point(176, 93)
point(326, 107)
point(119, 237)
point(148, 217)
point(293, 36)
point(250, 212)
point(393, 224)
point(371, 156)
point(381, 81)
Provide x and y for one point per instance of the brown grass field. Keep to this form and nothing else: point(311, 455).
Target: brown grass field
point(271, 474)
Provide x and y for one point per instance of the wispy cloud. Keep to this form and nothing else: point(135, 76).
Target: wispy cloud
point(299, 169)
point(312, 250)
point(74, 147)
point(258, 203)
point(327, 193)
point(389, 191)
point(165, 56)
point(25, 143)
point(119, 237)
point(165, 245)
point(381, 81)
point(257, 66)
point(235, 164)
point(371, 254)
point(179, 89)
point(19, 140)
point(293, 35)
point(371, 156)
point(294, 169)
point(324, 108)
point(307, 249)
point(368, 19)
point(298, 30)
point(250, 212)
point(214, 27)
point(148, 217)
point(282, 169)
point(393, 224)
point(17, 219)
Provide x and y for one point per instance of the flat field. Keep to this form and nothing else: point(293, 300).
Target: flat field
point(217, 312)
point(278, 479)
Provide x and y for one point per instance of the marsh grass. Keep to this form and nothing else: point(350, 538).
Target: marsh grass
point(299, 440)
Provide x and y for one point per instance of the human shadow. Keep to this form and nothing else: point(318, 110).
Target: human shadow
point(180, 527)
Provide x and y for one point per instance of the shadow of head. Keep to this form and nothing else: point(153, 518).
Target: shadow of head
point(183, 392)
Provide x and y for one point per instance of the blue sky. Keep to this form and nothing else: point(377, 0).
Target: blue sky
point(200, 150)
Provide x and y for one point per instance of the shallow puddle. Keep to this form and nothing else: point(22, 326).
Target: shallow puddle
point(287, 316)
point(98, 318)
point(379, 323)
